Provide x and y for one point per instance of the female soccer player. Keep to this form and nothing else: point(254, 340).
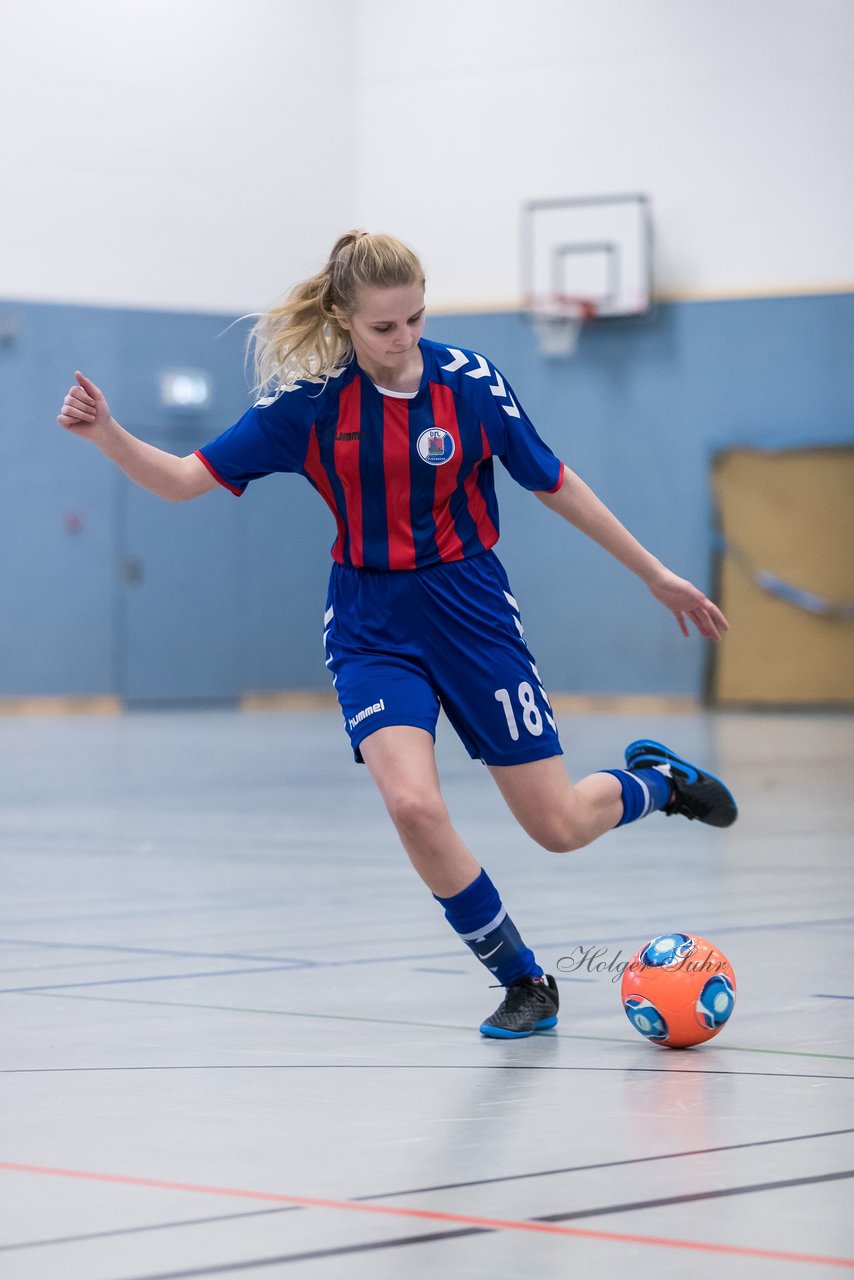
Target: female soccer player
point(398, 435)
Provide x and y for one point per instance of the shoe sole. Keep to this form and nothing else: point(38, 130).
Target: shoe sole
point(636, 758)
point(499, 1033)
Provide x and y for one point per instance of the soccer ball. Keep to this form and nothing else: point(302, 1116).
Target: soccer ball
point(678, 990)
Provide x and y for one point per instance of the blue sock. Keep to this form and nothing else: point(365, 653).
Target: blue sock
point(644, 791)
point(479, 917)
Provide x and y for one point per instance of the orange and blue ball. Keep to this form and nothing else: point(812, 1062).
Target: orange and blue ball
point(678, 990)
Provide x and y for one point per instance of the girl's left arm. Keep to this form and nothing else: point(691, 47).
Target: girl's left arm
point(578, 504)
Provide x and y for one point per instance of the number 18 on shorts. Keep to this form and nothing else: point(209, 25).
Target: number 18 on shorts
point(532, 717)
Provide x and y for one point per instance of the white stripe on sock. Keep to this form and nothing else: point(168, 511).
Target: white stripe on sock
point(487, 928)
point(648, 800)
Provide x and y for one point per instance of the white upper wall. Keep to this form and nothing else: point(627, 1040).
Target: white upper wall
point(204, 154)
point(188, 154)
point(734, 116)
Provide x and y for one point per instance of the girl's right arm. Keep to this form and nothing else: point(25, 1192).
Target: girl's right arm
point(85, 412)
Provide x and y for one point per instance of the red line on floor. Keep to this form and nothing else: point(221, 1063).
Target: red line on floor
point(459, 1219)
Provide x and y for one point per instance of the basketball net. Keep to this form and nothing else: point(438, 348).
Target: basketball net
point(558, 321)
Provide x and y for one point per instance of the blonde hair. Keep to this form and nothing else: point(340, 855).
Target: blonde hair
point(301, 338)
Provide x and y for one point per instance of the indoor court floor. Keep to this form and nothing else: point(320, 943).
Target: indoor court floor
point(240, 1040)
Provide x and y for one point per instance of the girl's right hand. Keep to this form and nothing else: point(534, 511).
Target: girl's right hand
point(84, 409)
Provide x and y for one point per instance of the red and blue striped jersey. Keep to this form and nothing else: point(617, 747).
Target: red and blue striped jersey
point(408, 480)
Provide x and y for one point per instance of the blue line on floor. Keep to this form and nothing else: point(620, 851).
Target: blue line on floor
point(158, 977)
point(149, 951)
point(416, 968)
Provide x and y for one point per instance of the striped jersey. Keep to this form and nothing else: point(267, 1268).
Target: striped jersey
point(409, 479)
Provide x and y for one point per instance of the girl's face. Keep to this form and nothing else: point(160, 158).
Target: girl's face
point(386, 324)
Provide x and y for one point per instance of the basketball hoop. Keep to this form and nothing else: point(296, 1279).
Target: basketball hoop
point(557, 320)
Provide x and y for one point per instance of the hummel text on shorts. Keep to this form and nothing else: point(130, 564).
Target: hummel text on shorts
point(367, 711)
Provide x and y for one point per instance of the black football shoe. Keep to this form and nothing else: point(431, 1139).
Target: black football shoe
point(531, 1004)
point(697, 795)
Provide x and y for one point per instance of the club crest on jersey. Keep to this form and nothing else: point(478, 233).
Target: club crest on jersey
point(436, 446)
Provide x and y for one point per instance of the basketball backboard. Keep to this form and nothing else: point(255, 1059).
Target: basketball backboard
point(596, 248)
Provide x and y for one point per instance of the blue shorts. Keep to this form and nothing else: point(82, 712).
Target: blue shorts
point(402, 644)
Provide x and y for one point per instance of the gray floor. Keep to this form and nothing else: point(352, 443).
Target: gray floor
point(239, 1038)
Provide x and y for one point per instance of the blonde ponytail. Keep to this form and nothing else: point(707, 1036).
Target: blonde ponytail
point(301, 338)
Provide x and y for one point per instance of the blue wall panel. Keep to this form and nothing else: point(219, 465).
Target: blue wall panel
point(638, 412)
point(56, 605)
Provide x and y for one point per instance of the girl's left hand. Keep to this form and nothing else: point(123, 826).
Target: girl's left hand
point(685, 601)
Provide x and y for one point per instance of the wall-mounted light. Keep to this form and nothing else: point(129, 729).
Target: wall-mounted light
point(185, 389)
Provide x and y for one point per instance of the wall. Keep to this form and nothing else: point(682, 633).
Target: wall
point(203, 156)
point(734, 117)
point(171, 167)
point(233, 591)
point(190, 156)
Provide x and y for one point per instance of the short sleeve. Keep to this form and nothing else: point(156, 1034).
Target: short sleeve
point(514, 439)
point(271, 436)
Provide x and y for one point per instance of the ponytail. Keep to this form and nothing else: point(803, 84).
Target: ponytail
point(301, 338)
